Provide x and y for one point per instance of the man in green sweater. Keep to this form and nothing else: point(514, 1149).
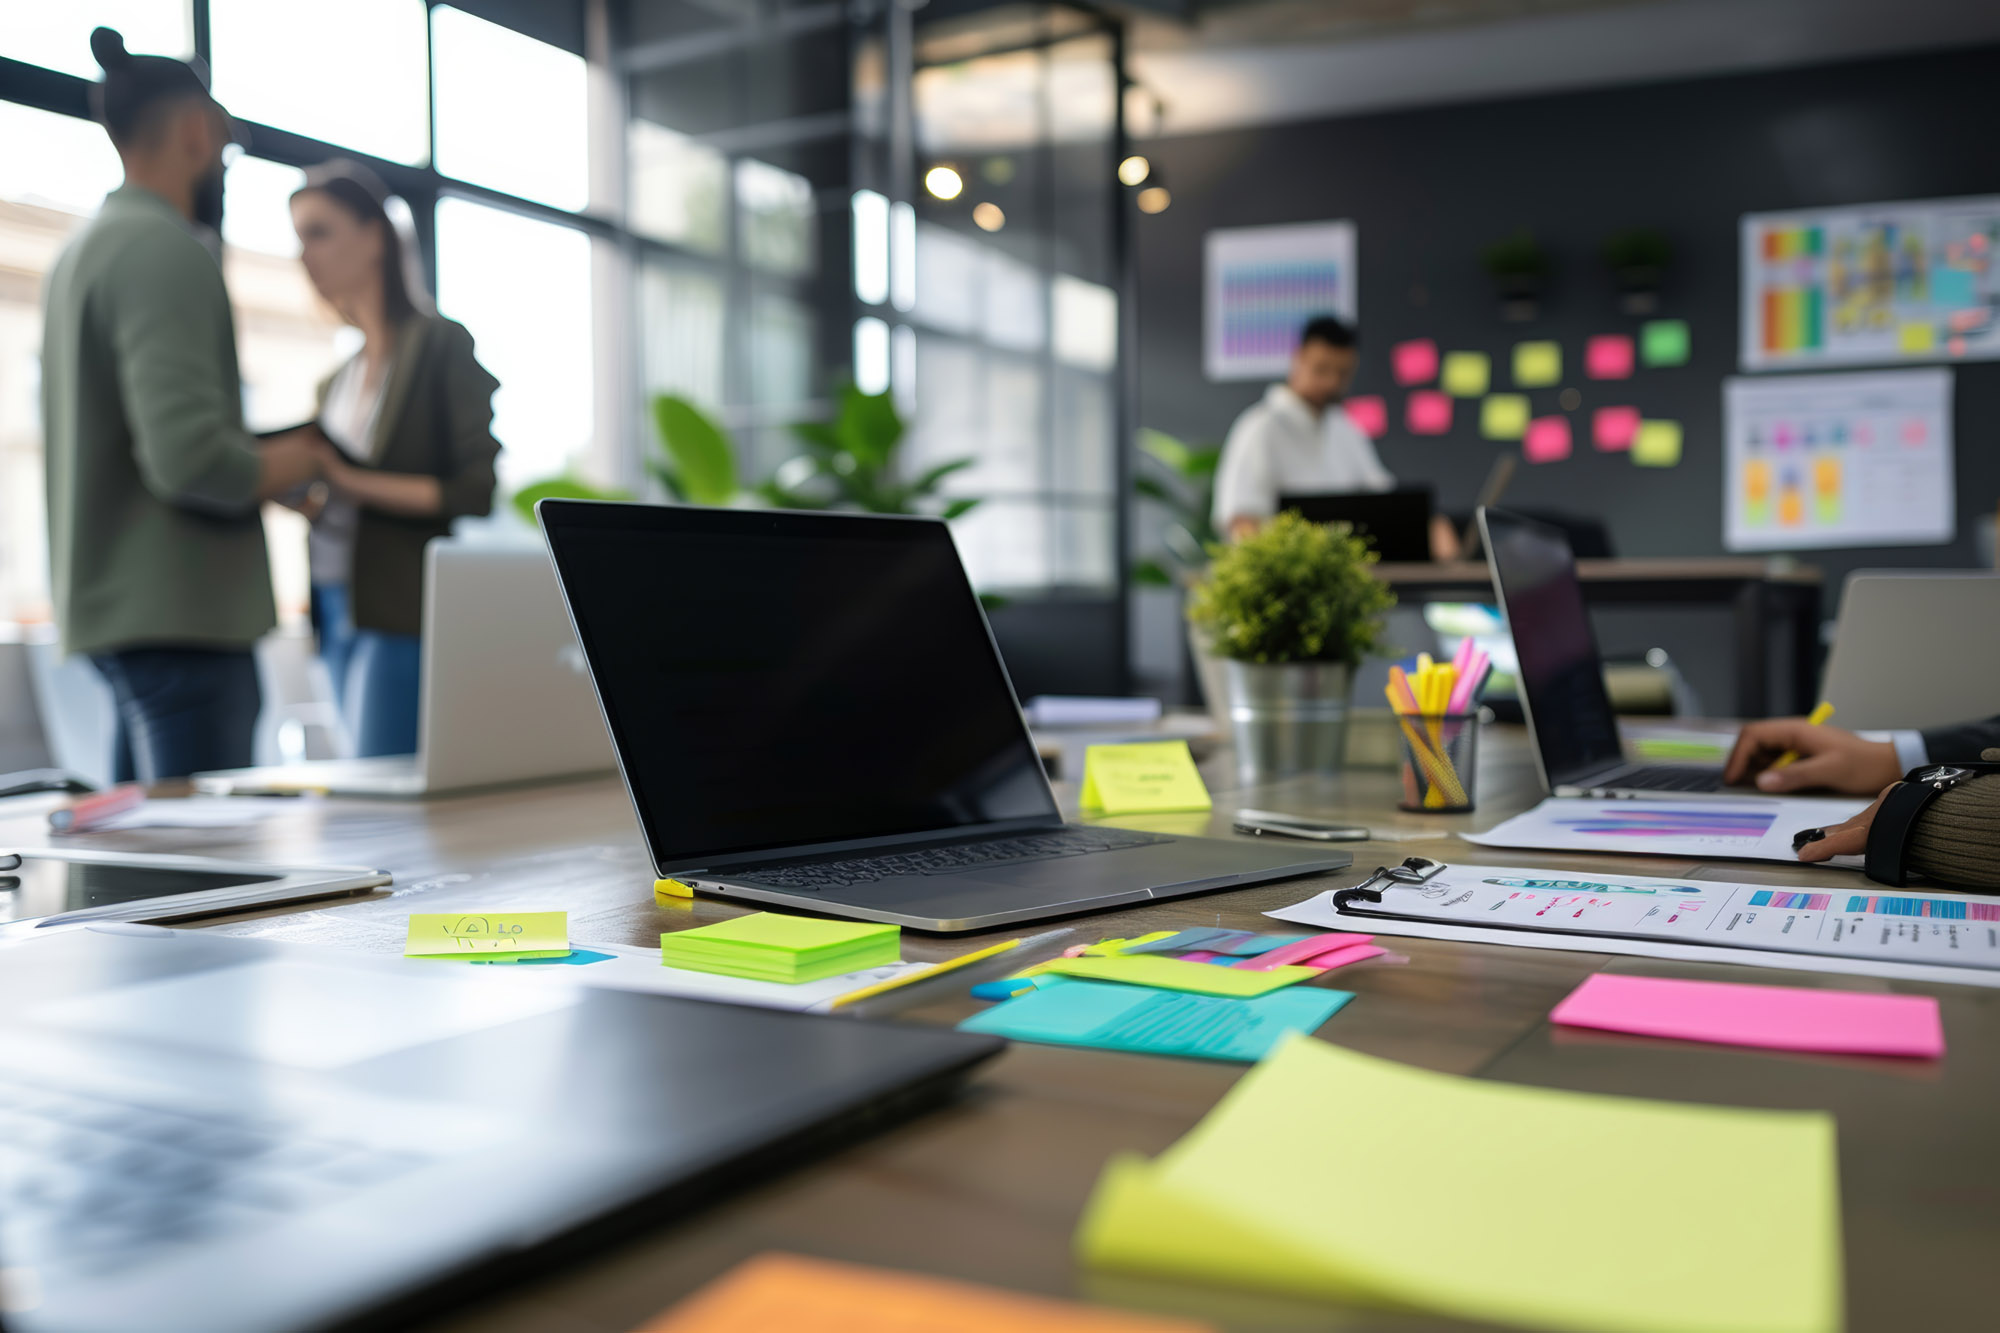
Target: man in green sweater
point(156, 544)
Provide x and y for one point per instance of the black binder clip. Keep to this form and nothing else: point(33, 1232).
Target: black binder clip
point(1414, 870)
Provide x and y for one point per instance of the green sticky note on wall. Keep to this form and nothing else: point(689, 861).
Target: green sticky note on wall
point(1658, 444)
point(1466, 374)
point(1138, 779)
point(486, 934)
point(1537, 364)
point(1663, 342)
point(1504, 416)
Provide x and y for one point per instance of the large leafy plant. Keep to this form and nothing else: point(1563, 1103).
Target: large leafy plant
point(1293, 592)
point(1180, 478)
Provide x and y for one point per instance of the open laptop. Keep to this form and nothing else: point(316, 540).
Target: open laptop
point(201, 1134)
point(503, 696)
point(809, 711)
point(1397, 523)
point(1889, 619)
point(1560, 676)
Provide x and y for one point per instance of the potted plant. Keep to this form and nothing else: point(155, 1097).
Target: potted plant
point(1292, 610)
point(1519, 268)
point(1638, 261)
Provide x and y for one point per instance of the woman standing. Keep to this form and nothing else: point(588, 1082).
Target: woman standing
point(410, 418)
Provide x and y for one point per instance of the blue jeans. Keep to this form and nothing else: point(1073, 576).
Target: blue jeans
point(181, 710)
point(375, 675)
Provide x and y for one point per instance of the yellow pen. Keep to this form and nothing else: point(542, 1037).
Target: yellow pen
point(869, 992)
point(1817, 719)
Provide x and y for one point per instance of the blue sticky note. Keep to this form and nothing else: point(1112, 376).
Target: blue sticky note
point(1201, 937)
point(1952, 288)
point(1159, 1022)
point(1257, 944)
point(574, 958)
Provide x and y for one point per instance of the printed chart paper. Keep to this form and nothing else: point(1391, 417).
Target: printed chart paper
point(1838, 460)
point(1876, 284)
point(1752, 828)
point(1263, 284)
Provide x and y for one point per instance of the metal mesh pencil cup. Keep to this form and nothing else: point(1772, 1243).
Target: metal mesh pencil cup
point(1440, 761)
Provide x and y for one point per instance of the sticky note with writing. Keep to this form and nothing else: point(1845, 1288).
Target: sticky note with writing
point(465, 934)
point(1141, 779)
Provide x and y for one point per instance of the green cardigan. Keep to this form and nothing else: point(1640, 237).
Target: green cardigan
point(436, 420)
point(154, 534)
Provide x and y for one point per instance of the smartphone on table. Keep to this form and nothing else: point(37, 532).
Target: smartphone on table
point(1270, 822)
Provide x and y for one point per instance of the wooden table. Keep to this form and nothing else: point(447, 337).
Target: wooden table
point(1762, 595)
point(991, 1188)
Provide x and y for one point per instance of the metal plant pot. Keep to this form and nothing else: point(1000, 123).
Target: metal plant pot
point(1288, 717)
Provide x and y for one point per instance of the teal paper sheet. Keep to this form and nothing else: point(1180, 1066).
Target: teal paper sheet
point(1158, 1022)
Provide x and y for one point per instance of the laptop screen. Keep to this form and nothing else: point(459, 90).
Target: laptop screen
point(1561, 673)
point(774, 680)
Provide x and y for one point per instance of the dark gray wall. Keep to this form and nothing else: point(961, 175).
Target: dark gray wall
point(1428, 189)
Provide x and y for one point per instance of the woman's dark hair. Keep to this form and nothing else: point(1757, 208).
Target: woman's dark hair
point(135, 89)
point(361, 192)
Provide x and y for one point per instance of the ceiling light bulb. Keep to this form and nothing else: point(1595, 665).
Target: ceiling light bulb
point(943, 182)
point(989, 217)
point(1134, 169)
point(1154, 199)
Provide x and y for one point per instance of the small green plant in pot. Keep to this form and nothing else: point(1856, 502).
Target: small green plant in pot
point(1292, 610)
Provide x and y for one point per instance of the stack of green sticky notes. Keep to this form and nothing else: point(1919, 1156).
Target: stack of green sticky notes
point(766, 946)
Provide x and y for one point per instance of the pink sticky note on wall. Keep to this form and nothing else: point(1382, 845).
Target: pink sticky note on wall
point(1415, 361)
point(1608, 357)
point(1612, 428)
point(1370, 414)
point(1547, 440)
point(1428, 412)
point(1784, 1018)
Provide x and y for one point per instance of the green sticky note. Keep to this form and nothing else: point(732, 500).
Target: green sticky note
point(461, 934)
point(1657, 444)
point(1145, 778)
point(1504, 416)
point(1466, 374)
point(1537, 364)
point(774, 931)
point(1145, 969)
point(1158, 1022)
point(1663, 342)
point(1543, 1177)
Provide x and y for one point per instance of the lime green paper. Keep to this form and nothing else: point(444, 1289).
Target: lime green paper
point(1658, 444)
point(1145, 778)
point(1559, 1210)
point(1537, 364)
point(460, 934)
point(1504, 416)
point(1146, 969)
point(769, 946)
point(1466, 374)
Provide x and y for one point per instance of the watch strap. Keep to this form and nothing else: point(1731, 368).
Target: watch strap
point(1889, 834)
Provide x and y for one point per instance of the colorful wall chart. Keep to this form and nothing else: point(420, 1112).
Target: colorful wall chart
point(1838, 460)
point(1263, 284)
point(1872, 285)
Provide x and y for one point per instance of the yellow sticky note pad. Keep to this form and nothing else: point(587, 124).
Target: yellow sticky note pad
point(468, 934)
point(1537, 364)
point(1466, 374)
point(1504, 416)
point(1149, 969)
point(1143, 778)
point(1916, 338)
point(1658, 444)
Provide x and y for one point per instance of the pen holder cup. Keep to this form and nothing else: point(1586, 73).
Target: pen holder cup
point(1440, 761)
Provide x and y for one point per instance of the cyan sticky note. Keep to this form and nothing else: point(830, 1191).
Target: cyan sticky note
point(574, 958)
point(1158, 1022)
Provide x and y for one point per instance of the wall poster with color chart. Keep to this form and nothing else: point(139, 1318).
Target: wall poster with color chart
point(1877, 284)
point(1263, 284)
point(1838, 460)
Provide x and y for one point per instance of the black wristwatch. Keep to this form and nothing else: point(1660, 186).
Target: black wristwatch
point(1889, 835)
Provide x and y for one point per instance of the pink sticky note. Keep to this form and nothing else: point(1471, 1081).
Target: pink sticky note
point(1415, 361)
point(1785, 1018)
point(1300, 950)
point(1200, 956)
point(1612, 428)
point(1547, 440)
point(1353, 953)
point(1428, 412)
point(1370, 414)
point(1608, 357)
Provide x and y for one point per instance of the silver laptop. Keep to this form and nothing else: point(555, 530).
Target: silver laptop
point(1915, 650)
point(810, 711)
point(504, 696)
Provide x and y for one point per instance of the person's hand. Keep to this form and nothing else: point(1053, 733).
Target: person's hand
point(287, 462)
point(1849, 839)
point(333, 464)
point(1829, 759)
point(308, 502)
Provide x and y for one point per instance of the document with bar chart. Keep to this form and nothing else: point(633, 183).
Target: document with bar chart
point(1750, 827)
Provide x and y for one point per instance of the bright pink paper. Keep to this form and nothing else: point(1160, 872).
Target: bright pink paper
point(1370, 414)
point(1608, 357)
point(1428, 412)
point(1784, 1018)
point(1612, 428)
point(1297, 952)
point(1200, 956)
point(1415, 361)
point(1547, 440)
point(1353, 953)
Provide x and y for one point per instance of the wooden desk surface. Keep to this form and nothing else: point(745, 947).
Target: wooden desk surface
point(990, 1189)
point(1707, 569)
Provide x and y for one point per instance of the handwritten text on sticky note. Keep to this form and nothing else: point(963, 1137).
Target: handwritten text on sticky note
point(451, 933)
point(1141, 779)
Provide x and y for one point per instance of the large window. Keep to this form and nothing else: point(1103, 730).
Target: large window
point(512, 113)
point(55, 34)
point(351, 74)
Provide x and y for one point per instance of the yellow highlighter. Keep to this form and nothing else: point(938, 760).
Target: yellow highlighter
point(1817, 719)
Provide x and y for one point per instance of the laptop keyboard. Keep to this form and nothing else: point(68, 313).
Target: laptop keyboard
point(89, 1182)
point(1667, 777)
point(947, 859)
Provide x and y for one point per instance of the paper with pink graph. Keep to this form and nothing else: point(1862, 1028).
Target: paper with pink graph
point(1758, 828)
point(1785, 1018)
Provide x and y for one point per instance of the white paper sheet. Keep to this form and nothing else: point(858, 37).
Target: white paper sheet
point(1860, 929)
point(634, 967)
point(1749, 827)
point(193, 812)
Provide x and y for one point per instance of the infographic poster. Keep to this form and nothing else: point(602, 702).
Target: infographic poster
point(1876, 284)
point(1838, 460)
point(1262, 284)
